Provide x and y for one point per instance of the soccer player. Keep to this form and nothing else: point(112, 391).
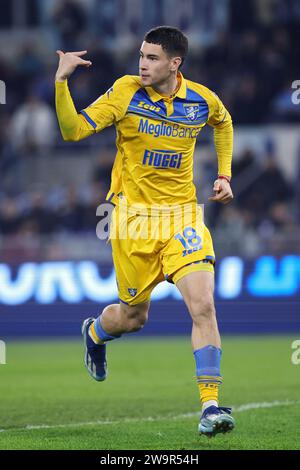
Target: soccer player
point(158, 116)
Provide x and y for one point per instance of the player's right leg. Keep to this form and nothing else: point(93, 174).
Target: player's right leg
point(115, 320)
point(138, 270)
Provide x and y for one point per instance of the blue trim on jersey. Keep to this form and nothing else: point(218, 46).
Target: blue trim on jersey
point(142, 95)
point(143, 112)
point(87, 117)
point(123, 302)
point(159, 110)
point(168, 119)
point(110, 197)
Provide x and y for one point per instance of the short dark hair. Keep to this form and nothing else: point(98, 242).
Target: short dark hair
point(172, 40)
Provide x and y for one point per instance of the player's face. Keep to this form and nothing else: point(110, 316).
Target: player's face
point(155, 66)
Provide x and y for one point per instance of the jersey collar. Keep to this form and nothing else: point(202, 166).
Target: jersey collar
point(181, 92)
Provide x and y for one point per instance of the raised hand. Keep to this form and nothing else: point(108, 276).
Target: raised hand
point(68, 62)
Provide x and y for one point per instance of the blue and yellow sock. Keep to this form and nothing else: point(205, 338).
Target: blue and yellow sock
point(98, 334)
point(208, 374)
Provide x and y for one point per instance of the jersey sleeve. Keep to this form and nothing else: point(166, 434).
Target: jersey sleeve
point(218, 114)
point(73, 126)
point(220, 119)
point(110, 107)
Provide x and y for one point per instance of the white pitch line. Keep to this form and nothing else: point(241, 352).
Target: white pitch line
point(235, 409)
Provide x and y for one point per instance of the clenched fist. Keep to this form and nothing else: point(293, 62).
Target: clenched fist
point(68, 62)
point(222, 190)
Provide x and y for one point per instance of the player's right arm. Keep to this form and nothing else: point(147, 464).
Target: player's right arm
point(105, 111)
point(72, 125)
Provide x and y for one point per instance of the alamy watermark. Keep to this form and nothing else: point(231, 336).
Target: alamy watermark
point(2, 352)
point(295, 358)
point(296, 93)
point(156, 222)
point(2, 92)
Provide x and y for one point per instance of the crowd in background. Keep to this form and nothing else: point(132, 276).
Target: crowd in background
point(251, 59)
point(248, 55)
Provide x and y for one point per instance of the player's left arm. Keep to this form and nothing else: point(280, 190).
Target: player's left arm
point(220, 120)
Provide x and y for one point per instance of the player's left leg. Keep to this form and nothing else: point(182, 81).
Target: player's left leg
point(197, 290)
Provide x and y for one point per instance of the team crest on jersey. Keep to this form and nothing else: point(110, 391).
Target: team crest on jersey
point(132, 291)
point(191, 111)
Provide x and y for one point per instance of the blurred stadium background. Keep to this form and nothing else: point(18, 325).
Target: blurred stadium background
point(53, 268)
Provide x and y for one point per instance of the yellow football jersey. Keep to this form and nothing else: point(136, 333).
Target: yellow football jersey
point(156, 137)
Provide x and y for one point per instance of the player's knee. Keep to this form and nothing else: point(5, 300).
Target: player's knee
point(137, 323)
point(135, 317)
point(202, 308)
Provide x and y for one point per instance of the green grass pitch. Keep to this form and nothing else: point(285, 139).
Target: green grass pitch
point(150, 398)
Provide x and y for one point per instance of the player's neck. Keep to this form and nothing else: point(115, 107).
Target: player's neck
point(169, 87)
